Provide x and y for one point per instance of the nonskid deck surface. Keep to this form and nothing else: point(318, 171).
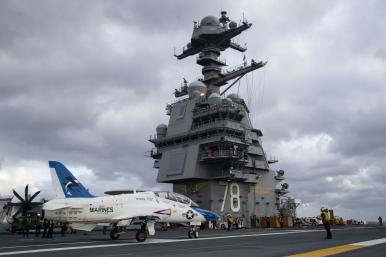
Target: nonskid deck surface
point(347, 241)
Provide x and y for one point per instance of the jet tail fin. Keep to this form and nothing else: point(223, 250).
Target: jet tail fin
point(65, 183)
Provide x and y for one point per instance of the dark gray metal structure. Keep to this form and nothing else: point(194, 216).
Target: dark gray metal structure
point(209, 150)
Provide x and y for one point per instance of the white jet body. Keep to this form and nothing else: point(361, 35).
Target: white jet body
point(75, 206)
point(83, 212)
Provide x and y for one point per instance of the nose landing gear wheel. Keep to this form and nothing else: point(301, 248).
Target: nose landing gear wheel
point(193, 234)
point(114, 234)
point(141, 235)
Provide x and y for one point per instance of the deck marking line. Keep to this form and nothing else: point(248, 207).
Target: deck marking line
point(153, 241)
point(52, 244)
point(340, 249)
point(372, 242)
point(328, 251)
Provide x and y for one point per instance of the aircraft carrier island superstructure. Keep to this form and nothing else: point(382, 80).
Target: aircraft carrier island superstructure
point(210, 150)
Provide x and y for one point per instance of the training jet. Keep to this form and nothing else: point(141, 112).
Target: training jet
point(76, 206)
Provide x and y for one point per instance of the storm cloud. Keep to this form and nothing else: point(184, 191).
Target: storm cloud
point(86, 83)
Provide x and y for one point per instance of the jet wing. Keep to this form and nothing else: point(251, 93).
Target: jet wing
point(82, 226)
point(119, 218)
point(56, 206)
point(126, 220)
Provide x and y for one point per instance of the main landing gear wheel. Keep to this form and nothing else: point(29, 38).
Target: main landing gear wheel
point(193, 233)
point(141, 235)
point(114, 234)
point(190, 233)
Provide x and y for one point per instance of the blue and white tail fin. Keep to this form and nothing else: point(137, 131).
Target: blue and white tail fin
point(65, 184)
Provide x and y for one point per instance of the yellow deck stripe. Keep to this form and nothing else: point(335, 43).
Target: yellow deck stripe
point(328, 251)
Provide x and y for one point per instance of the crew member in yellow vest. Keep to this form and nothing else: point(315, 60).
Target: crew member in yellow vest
point(229, 221)
point(325, 214)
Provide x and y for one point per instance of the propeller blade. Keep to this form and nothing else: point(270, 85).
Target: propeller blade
point(26, 193)
point(33, 205)
point(33, 196)
point(8, 211)
point(18, 196)
point(15, 204)
point(17, 213)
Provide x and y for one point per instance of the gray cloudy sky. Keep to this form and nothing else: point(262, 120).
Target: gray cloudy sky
point(86, 82)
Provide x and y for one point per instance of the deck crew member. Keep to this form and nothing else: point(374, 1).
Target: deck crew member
point(229, 221)
point(51, 225)
point(27, 226)
point(325, 214)
point(45, 228)
point(38, 225)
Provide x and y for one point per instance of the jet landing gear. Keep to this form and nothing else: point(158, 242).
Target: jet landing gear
point(141, 234)
point(115, 233)
point(147, 229)
point(193, 233)
point(117, 230)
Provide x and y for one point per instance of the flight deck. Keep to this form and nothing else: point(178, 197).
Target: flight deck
point(347, 241)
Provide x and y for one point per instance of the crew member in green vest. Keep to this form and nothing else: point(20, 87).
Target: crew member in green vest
point(27, 225)
point(38, 225)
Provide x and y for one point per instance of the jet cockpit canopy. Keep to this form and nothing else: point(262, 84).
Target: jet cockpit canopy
point(176, 197)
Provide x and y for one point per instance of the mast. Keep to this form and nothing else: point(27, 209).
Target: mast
point(210, 37)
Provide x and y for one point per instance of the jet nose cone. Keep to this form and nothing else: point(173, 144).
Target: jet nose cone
point(215, 215)
point(208, 215)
